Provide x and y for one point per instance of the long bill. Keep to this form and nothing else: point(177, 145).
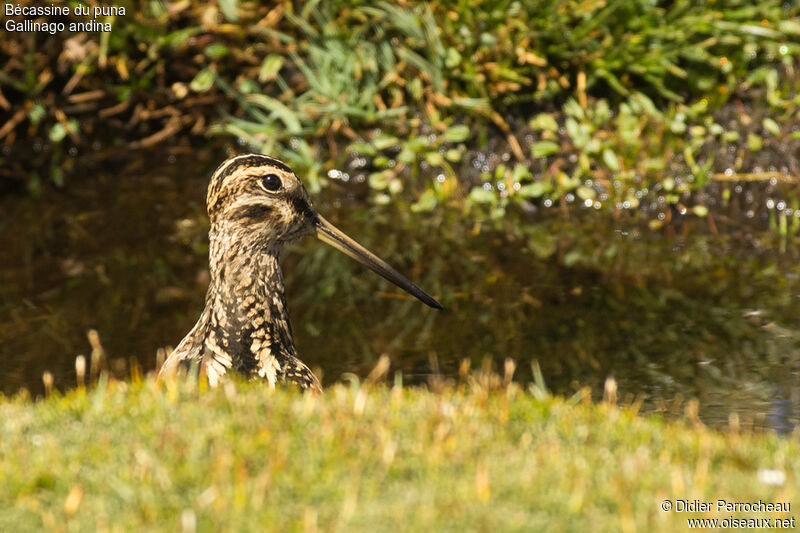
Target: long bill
point(329, 234)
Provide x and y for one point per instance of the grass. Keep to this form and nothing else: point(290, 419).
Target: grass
point(153, 456)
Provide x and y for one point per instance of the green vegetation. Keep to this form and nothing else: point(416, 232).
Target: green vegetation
point(479, 456)
point(601, 103)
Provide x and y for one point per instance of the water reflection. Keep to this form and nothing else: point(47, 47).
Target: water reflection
point(682, 312)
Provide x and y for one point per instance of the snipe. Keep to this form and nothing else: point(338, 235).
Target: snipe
point(256, 204)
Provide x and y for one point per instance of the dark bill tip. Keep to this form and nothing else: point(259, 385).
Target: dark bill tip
point(329, 234)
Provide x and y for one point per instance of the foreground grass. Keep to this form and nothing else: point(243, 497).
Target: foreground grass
point(148, 456)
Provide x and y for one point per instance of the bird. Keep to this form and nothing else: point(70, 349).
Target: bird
point(256, 204)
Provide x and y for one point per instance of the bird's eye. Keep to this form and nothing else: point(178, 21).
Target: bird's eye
point(270, 182)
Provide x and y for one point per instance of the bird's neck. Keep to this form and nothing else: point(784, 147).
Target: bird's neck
point(240, 268)
point(245, 300)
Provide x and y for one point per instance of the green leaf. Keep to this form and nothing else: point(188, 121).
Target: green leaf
point(572, 258)
point(179, 37)
point(57, 132)
point(771, 126)
point(379, 180)
point(37, 113)
point(270, 67)
point(536, 189)
point(544, 149)
point(730, 136)
point(610, 159)
point(384, 141)
point(216, 51)
point(453, 58)
point(407, 156)
point(57, 176)
point(481, 104)
point(479, 195)
point(789, 26)
point(543, 121)
point(585, 193)
point(678, 124)
point(754, 142)
point(202, 81)
point(453, 155)
point(697, 131)
point(434, 159)
point(427, 202)
point(278, 110)
point(456, 134)
point(759, 31)
point(520, 172)
point(248, 87)
point(382, 199)
point(579, 132)
point(414, 88)
point(646, 104)
point(573, 109)
point(612, 80)
point(363, 149)
point(543, 245)
point(230, 9)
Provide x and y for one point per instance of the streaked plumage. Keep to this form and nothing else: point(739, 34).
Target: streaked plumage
point(256, 203)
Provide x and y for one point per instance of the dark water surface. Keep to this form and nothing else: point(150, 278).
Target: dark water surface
point(689, 311)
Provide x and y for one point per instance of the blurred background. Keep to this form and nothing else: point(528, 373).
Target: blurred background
point(602, 188)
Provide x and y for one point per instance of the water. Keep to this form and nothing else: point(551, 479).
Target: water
point(688, 311)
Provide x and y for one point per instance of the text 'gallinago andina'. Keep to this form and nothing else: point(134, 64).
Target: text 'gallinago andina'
point(256, 203)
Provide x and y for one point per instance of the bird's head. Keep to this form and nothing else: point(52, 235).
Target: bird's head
point(260, 197)
point(262, 202)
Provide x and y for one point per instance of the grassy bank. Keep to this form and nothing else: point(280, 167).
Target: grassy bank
point(167, 457)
